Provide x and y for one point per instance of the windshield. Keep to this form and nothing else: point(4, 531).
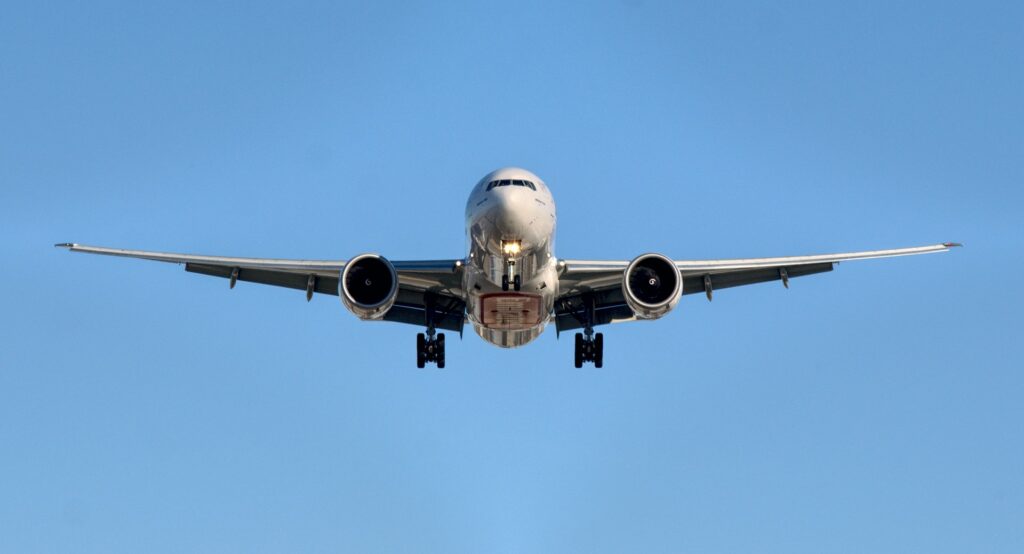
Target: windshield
point(511, 182)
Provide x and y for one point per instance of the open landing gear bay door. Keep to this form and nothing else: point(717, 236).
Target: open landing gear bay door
point(425, 288)
point(591, 293)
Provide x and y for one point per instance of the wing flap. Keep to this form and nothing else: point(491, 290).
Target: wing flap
point(417, 315)
point(324, 284)
point(693, 284)
point(414, 305)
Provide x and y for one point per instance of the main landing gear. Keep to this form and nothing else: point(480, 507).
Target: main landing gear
point(589, 348)
point(589, 345)
point(429, 349)
point(430, 345)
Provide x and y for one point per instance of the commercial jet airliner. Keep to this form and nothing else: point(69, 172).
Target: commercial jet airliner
point(510, 285)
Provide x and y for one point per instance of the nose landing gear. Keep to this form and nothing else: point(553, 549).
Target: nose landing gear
point(516, 284)
point(429, 349)
point(511, 277)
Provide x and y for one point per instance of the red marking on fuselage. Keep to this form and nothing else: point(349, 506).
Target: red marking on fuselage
point(510, 310)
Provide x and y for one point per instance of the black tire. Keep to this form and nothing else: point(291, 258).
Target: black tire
point(579, 350)
point(599, 350)
point(504, 282)
point(517, 282)
point(440, 350)
point(421, 350)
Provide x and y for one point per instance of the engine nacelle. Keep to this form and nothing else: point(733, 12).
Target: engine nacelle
point(368, 286)
point(652, 286)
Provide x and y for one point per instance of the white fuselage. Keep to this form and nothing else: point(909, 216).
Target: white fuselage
point(510, 227)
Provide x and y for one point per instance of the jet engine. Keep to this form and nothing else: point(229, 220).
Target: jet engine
point(368, 286)
point(652, 286)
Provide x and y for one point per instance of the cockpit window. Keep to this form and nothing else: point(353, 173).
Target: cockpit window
point(512, 182)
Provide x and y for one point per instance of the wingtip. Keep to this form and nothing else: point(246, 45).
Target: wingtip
point(952, 244)
point(65, 245)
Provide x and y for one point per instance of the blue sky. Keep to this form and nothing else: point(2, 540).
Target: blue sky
point(873, 409)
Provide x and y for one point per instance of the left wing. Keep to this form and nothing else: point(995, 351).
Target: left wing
point(600, 282)
point(423, 285)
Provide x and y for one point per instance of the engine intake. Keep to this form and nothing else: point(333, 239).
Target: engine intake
point(368, 286)
point(652, 286)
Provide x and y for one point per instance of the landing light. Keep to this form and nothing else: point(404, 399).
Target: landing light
point(511, 248)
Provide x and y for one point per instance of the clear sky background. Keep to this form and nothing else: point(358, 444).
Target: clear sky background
point(877, 408)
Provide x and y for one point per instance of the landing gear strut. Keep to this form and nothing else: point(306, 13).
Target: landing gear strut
point(589, 345)
point(430, 345)
point(589, 348)
point(429, 349)
point(516, 281)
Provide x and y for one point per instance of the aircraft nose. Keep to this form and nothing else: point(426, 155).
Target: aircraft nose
point(510, 210)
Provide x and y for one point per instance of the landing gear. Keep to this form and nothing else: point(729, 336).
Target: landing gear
point(429, 349)
point(439, 355)
point(589, 345)
point(430, 345)
point(579, 350)
point(589, 348)
point(517, 283)
point(511, 277)
point(421, 350)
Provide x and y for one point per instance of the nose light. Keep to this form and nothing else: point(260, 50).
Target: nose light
point(511, 247)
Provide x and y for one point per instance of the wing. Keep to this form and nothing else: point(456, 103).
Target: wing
point(423, 285)
point(582, 281)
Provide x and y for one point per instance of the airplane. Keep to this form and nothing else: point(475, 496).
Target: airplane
point(510, 285)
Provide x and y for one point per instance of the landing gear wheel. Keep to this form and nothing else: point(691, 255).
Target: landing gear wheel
point(579, 350)
point(589, 348)
point(439, 351)
point(517, 282)
point(504, 282)
point(429, 349)
point(421, 350)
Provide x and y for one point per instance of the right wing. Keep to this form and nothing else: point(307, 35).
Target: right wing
point(424, 285)
point(601, 281)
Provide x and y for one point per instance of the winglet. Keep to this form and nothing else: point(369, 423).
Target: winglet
point(952, 244)
point(66, 244)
